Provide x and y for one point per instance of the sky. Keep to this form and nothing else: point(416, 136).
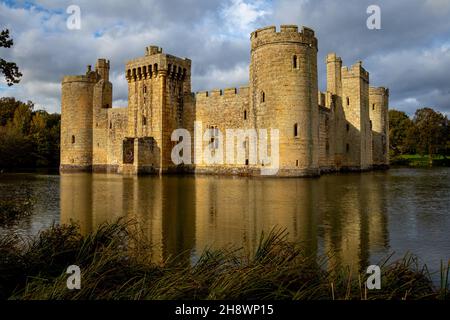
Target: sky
point(410, 54)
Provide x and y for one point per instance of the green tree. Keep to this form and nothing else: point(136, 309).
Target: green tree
point(16, 149)
point(22, 118)
point(9, 69)
point(400, 130)
point(28, 138)
point(8, 106)
point(431, 130)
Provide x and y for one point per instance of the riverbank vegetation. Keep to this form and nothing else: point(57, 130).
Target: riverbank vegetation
point(421, 141)
point(115, 266)
point(28, 138)
point(13, 210)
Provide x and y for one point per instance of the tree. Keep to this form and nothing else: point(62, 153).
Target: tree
point(28, 138)
point(9, 69)
point(431, 131)
point(400, 130)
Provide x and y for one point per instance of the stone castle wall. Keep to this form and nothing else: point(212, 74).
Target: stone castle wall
point(378, 109)
point(284, 93)
point(222, 110)
point(344, 128)
point(76, 122)
point(357, 138)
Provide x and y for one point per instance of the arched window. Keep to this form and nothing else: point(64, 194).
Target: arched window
point(347, 147)
point(110, 125)
point(263, 96)
point(370, 124)
point(144, 120)
point(348, 101)
point(294, 62)
point(296, 130)
point(155, 68)
point(73, 139)
point(373, 106)
point(245, 114)
point(348, 127)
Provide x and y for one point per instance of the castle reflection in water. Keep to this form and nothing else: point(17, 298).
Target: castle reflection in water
point(342, 216)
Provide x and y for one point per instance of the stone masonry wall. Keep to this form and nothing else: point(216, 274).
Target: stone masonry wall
point(343, 128)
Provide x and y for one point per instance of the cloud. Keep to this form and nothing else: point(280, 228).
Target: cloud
point(410, 54)
point(241, 16)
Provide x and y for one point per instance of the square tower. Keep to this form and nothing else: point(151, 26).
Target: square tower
point(157, 86)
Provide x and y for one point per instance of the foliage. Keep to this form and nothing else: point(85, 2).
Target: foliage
point(431, 131)
point(399, 131)
point(28, 138)
point(428, 133)
point(115, 265)
point(9, 69)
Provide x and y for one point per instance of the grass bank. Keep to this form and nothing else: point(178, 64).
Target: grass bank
point(116, 266)
point(416, 160)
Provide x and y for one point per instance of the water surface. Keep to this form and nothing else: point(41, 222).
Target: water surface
point(356, 219)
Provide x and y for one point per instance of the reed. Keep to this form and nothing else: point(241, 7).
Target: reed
point(115, 264)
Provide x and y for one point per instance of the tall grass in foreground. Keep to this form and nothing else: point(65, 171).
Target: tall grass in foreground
point(115, 265)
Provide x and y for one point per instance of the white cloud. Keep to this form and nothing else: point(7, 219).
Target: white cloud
point(219, 79)
point(241, 16)
point(410, 54)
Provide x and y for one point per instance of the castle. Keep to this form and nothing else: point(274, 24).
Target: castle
point(344, 128)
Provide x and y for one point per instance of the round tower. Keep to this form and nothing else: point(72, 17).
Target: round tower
point(76, 122)
point(284, 94)
point(378, 113)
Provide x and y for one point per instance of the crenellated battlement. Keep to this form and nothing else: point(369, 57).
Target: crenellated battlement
point(226, 93)
point(379, 90)
point(287, 33)
point(154, 63)
point(91, 77)
point(102, 63)
point(333, 57)
point(355, 70)
point(152, 50)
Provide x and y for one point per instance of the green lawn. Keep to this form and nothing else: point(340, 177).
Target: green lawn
point(417, 160)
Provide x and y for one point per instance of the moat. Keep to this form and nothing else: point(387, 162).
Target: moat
point(357, 219)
